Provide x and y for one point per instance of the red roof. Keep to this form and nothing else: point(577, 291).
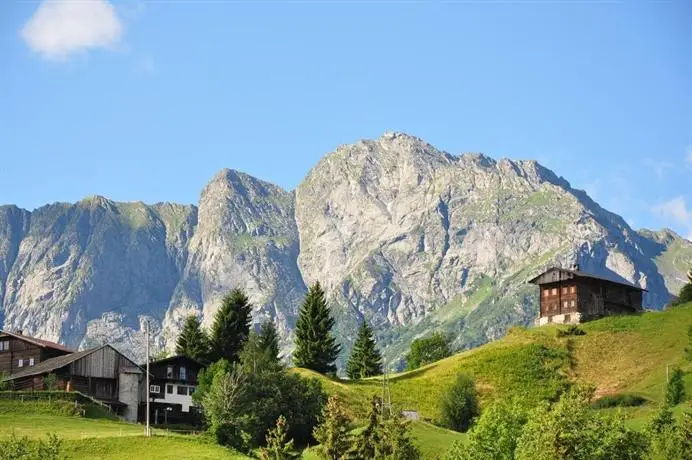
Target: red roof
point(39, 342)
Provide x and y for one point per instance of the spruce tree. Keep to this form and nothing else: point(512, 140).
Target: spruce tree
point(279, 446)
point(192, 341)
point(269, 340)
point(333, 433)
point(365, 359)
point(316, 347)
point(231, 326)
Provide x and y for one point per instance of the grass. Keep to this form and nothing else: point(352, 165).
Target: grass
point(96, 438)
point(619, 354)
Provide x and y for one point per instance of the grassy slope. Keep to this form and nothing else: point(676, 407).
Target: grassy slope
point(624, 354)
point(94, 438)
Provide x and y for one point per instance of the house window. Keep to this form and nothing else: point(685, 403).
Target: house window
point(567, 318)
point(169, 372)
point(190, 390)
point(565, 304)
point(31, 361)
point(169, 389)
point(546, 292)
point(554, 291)
point(182, 390)
point(572, 289)
point(573, 303)
point(564, 290)
point(183, 373)
point(20, 363)
point(4, 345)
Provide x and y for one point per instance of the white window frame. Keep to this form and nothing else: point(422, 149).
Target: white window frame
point(169, 372)
point(154, 388)
point(182, 373)
point(20, 363)
point(31, 362)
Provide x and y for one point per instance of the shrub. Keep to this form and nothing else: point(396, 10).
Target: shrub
point(428, 350)
point(333, 433)
point(620, 400)
point(572, 329)
point(50, 382)
point(494, 436)
point(279, 447)
point(23, 448)
point(460, 404)
point(675, 389)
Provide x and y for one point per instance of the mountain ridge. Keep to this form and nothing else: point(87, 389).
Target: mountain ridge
point(407, 236)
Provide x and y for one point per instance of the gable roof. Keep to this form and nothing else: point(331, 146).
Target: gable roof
point(38, 342)
point(581, 274)
point(172, 359)
point(52, 364)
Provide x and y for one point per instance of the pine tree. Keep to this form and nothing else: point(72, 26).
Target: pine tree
point(333, 433)
point(192, 341)
point(365, 442)
point(365, 359)
point(278, 446)
point(269, 340)
point(231, 326)
point(316, 347)
point(685, 294)
point(393, 441)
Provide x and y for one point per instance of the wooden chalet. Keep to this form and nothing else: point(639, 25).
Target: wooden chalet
point(172, 382)
point(18, 351)
point(573, 296)
point(102, 373)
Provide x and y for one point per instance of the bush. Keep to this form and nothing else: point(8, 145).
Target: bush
point(460, 404)
point(16, 448)
point(620, 400)
point(572, 329)
point(241, 407)
point(50, 382)
point(428, 350)
point(494, 435)
point(675, 389)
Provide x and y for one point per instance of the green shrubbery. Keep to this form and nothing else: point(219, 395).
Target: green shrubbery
point(460, 404)
point(572, 329)
point(428, 350)
point(15, 448)
point(620, 400)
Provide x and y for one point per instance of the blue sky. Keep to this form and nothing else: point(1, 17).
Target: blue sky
point(146, 100)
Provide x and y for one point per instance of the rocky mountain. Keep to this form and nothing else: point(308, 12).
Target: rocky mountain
point(406, 236)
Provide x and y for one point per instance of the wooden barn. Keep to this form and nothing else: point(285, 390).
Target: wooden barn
point(103, 373)
point(18, 351)
point(573, 296)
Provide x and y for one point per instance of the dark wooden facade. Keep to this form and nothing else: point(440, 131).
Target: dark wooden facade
point(569, 296)
point(176, 379)
point(18, 352)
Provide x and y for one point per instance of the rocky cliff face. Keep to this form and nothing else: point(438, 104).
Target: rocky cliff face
point(411, 238)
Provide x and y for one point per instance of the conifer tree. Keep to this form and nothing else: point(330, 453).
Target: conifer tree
point(366, 442)
point(365, 359)
point(192, 341)
point(269, 340)
point(231, 326)
point(316, 347)
point(333, 433)
point(279, 447)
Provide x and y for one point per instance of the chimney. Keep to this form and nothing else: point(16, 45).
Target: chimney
point(19, 331)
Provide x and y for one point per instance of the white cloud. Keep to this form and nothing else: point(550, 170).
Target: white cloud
point(675, 211)
point(60, 28)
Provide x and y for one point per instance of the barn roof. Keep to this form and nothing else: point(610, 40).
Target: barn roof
point(174, 359)
point(53, 364)
point(38, 342)
point(581, 274)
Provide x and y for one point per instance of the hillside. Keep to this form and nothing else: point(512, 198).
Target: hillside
point(399, 233)
point(618, 355)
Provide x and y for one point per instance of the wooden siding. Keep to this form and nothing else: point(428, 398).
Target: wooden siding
point(559, 298)
point(18, 349)
point(102, 363)
point(159, 370)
